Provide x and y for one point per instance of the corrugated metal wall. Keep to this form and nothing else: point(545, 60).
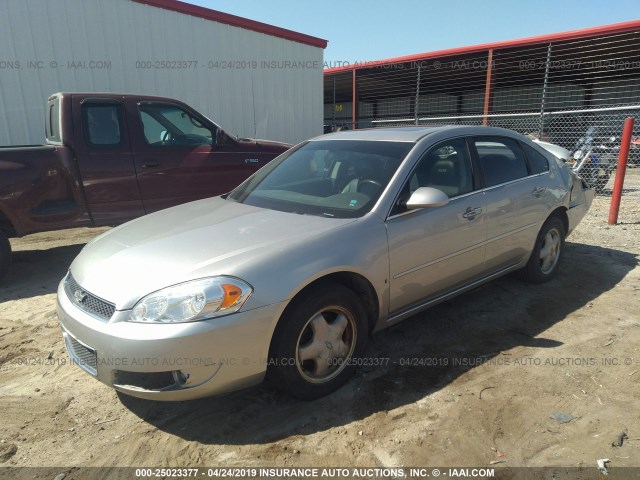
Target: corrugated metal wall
point(600, 71)
point(49, 46)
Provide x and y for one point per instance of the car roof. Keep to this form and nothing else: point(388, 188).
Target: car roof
point(412, 134)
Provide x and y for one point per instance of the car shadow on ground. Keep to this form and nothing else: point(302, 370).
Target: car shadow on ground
point(479, 324)
point(37, 272)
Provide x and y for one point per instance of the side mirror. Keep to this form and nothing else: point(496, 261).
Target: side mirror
point(427, 197)
point(221, 137)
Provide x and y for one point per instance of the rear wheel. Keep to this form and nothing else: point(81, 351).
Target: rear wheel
point(5, 254)
point(547, 252)
point(316, 342)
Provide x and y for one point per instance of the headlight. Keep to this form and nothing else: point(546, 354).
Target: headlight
point(192, 301)
point(577, 155)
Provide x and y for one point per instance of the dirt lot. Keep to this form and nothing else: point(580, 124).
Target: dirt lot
point(514, 354)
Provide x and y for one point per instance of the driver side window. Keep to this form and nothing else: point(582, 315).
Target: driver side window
point(446, 166)
point(169, 125)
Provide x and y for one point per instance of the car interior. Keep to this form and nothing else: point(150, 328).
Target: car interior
point(445, 169)
point(499, 163)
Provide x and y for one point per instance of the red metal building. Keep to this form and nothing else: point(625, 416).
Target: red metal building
point(554, 85)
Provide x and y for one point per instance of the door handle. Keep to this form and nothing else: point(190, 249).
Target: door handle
point(538, 191)
point(471, 213)
point(150, 164)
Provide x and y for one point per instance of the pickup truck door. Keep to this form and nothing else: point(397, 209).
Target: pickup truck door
point(178, 160)
point(105, 161)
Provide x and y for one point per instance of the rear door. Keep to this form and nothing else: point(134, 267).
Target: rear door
point(177, 159)
point(517, 195)
point(433, 250)
point(105, 161)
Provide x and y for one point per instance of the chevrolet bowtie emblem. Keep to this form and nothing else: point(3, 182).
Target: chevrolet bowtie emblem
point(80, 296)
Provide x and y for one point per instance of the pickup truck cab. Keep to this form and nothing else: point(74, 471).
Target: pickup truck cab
point(109, 158)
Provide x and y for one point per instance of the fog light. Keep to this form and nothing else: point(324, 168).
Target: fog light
point(180, 377)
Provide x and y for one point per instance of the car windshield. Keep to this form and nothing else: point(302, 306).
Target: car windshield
point(333, 178)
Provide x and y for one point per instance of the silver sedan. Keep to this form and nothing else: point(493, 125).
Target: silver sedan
point(286, 276)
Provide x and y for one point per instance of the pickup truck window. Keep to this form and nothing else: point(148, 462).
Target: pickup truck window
point(52, 121)
point(102, 124)
point(171, 126)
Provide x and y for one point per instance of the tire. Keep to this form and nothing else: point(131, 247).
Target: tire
point(5, 254)
point(316, 341)
point(547, 252)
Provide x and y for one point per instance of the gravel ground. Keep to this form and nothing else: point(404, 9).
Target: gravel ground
point(472, 382)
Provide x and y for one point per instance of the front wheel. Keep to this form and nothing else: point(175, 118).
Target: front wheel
point(547, 252)
point(316, 342)
point(5, 254)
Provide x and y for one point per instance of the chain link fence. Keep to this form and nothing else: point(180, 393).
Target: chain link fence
point(575, 93)
point(597, 131)
point(592, 137)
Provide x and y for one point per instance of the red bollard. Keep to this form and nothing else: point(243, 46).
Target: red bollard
point(627, 130)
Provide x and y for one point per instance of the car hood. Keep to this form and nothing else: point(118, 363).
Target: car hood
point(195, 240)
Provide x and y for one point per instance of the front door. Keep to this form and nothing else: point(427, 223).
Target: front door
point(433, 250)
point(180, 160)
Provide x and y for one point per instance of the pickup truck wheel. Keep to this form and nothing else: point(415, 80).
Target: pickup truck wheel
point(547, 252)
point(5, 254)
point(316, 342)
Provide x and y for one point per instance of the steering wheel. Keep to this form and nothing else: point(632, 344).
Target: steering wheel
point(368, 186)
point(189, 140)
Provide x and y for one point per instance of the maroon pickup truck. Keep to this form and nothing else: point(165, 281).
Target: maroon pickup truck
point(110, 158)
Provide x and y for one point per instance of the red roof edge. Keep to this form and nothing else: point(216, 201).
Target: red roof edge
point(554, 37)
point(235, 21)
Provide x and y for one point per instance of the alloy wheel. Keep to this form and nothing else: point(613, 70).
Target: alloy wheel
point(326, 344)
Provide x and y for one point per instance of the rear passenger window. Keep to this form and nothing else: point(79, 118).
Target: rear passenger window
point(538, 163)
point(102, 124)
point(52, 121)
point(502, 160)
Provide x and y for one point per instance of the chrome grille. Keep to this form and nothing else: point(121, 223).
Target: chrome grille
point(88, 302)
point(84, 356)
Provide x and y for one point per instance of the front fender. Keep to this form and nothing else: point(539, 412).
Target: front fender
point(359, 247)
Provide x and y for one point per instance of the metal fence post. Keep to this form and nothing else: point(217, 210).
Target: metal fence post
point(333, 111)
point(354, 102)
point(544, 91)
point(417, 102)
point(627, 131)
point(488, 89)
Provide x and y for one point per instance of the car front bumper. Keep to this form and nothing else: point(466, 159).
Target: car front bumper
point(171, 362)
